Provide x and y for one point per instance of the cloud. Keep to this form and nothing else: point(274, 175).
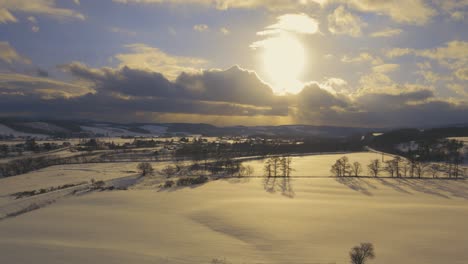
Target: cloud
point(224, 31)
point(409, 105)
point(384, 68)
point(388, 32)
point(456, 9)
point(9, 55)
point(113, 92)
point(459, 89)
point(142, 56)
point(402, 11)
point(38, 7)
point(451, 55)
point(462, 74)
point(201, 27)
point(362, 57)
point(377, 82)
point(6, 16)
point(417, 12)
point(123, 31)
point(398, 52)
point(273, 5)
point(134, 95)
point(315, 98)
point(459, 15)
point(343, 22)
point(295, 23)
point(13, 83)
point(234, 85)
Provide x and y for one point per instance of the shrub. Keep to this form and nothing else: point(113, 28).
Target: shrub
point(168, 184)
point(145, 168)
point(192, 181)
point(169, 171)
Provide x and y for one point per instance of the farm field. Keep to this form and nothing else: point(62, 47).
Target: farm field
point(317, 221)
point(312, 219)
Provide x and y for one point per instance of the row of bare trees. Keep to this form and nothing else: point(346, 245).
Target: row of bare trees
point(343, 167)
point(396, 167)
point(278, 166)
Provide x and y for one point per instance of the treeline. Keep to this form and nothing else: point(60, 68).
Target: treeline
point(200, 150)
point(29, 145)
point(397, 167)
point(20, 166)
point(432, 144)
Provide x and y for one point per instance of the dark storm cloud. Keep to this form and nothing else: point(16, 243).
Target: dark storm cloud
point(407, 108)
point(371, 101)
point(123, 94)
point(234, 92)
point(234, 85)
point(314, 98)
point(42, 73)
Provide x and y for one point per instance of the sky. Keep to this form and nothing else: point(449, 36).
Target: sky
point(359, 63)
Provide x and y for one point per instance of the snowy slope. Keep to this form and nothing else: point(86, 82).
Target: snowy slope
point(6, 131)
point(411, 222)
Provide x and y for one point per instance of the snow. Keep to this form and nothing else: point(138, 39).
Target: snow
point(6, 131)
point(314, 219)
point(413, 222)
point(111, 131)
point(66, 174)
point(155, 130)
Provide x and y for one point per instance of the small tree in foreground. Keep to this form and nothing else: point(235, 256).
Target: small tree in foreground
point(360, 254)
point(145, 168)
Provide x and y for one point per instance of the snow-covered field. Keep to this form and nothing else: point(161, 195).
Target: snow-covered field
point(66, 174)
point(249, 220)
point(412, 222)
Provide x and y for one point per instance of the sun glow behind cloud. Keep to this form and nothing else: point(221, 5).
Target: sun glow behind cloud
point(283, 54)
point(283, 61)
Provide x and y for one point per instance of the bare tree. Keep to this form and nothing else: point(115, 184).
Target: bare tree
point(374, 167)
point(390, 167)
point(285, 166)
point(275, 164)
point(341, 167)
point(397, 164)
point(360, 254)
point(356, 168)
point(145, 168)
point(336, 169)
point(169, 171)
point(267, 168)
point(245, 170)
point(405, 167)
point(434, 170)
point(420, 168)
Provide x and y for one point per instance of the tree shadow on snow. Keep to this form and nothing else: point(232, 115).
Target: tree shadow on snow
point(279, 184)
point(356, 184)
point(443, 188)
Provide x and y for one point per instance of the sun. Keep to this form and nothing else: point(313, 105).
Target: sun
point(283, 62)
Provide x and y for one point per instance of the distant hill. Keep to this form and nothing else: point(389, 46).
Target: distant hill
point(81, 128)
point(23, 127)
